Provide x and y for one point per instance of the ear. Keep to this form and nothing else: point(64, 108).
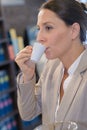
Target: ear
point(75, 31)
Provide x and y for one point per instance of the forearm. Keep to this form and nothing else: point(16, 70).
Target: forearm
point(28, 102)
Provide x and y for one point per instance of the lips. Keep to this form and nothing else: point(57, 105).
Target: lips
point(47, 50)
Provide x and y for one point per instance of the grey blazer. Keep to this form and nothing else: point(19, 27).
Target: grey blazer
point(42, 97)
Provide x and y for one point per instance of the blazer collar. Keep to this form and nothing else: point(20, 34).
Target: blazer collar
point(82, 64)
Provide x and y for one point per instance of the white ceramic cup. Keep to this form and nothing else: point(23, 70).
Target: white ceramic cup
point(38, 50)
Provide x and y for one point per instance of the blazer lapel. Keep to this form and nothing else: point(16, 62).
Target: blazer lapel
point(68, 97)
point(52, 96)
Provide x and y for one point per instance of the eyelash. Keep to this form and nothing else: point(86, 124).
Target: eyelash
point(48, 28)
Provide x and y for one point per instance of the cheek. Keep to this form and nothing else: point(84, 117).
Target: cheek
point(60, 43)
point(62, 39)
point(57, 38)
point(56, 41)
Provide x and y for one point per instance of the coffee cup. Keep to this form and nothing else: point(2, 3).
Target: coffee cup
point(38, 50)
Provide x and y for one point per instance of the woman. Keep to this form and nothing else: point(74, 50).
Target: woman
point(61, 92)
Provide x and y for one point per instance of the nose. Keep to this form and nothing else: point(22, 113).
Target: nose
point(40, 37)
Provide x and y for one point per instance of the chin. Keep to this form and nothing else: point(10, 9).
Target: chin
point(50, 57)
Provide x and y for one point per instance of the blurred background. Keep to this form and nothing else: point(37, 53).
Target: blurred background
point(17, 29)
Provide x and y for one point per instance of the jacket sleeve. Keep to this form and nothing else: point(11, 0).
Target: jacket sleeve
point(28, 98)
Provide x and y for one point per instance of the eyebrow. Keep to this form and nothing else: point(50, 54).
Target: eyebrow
point(45, 23)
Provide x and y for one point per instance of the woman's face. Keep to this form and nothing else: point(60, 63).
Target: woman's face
point(54, 34)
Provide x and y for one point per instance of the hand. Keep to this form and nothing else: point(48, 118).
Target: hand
point(25, 64)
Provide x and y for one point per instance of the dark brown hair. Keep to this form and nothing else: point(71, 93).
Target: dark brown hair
point(70, 11)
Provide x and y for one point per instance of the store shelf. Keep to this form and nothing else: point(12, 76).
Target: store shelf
point(9, 115)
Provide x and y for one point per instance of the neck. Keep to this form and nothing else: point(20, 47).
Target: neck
point(71, 56)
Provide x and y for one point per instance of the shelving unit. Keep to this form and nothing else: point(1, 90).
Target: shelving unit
point(9, 116)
